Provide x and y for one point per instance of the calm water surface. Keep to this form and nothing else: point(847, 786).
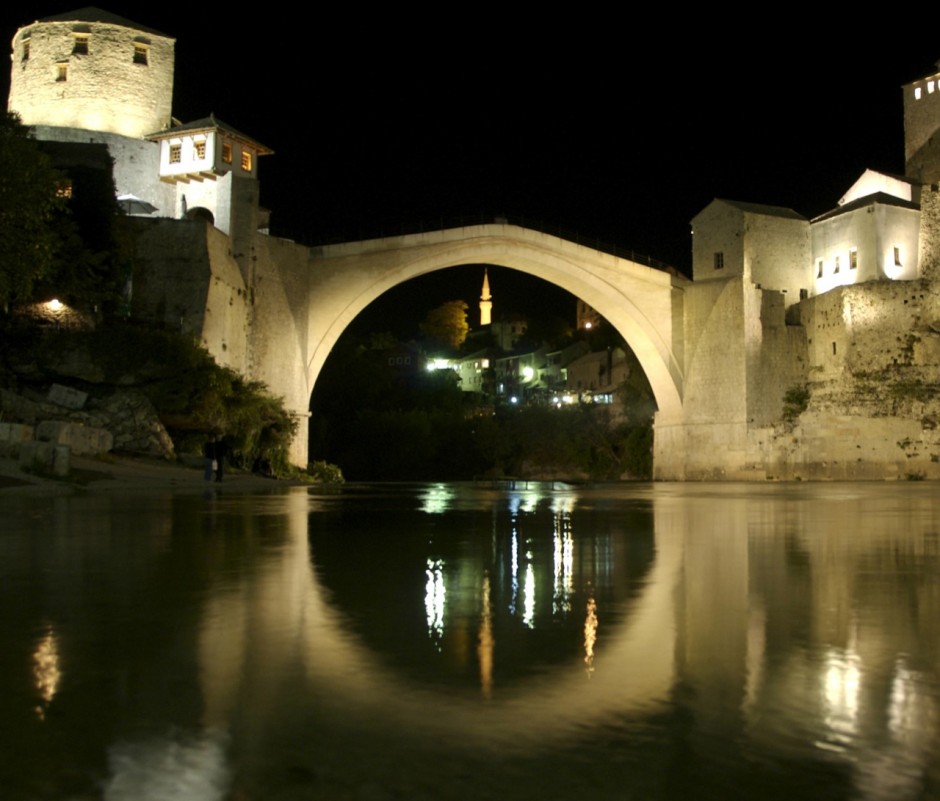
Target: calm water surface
point(459, 642)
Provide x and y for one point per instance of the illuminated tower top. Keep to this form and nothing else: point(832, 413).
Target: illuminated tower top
point(92, 70)
point(486, 301)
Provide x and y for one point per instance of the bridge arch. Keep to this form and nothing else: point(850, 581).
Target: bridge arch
point(639, 301)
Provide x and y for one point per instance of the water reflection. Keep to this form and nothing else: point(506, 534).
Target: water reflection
point(655, 642)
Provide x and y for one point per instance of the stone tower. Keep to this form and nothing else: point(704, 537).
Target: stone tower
point(486, 301)
point(922, 163)
point(92, 70)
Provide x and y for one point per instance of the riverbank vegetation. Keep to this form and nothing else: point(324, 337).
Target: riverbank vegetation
point(194, 397)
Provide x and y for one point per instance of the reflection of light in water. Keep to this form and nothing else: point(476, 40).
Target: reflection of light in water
point(841, 684)
point(514, 568)
point(436, 499)
point(487, 641)
point(910, 709)
point(528, 616)
point(169, 767)
point(46, 671)
point(563, 505)
point(524, 501)
point(434, 600)
point(590, 635)
point(564, 565)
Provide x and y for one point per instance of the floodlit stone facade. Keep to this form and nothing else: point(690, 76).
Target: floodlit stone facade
point(94, 71)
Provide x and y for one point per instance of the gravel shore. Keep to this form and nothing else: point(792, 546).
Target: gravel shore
point(121, 473)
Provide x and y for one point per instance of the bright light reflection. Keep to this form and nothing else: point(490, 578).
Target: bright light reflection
point(55, 304)
point(434, 594)
point(514, 568)
point(46, 672)
point(909, 709)
point(436, 499)
point(487, 642)
point(564, 566)
point(841, 685)
point(528, 616)
point(590, 635)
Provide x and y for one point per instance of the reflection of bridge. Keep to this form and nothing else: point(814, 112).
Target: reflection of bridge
point(715, 620)
point(302, 625)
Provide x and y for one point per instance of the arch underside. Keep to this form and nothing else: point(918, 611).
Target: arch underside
point(635, 299)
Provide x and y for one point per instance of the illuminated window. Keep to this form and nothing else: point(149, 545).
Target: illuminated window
point(835, 269)
point(26, 50)
point(853, 259)
point(176, 154)
point(246, 161)
point(226, 153)
point(140, 54)
point(930, 87)
point(62, 71)
point(819, 268)
point(719, 261)
point(80, 48)
point(917, 93)
point(897, 257)
point(200, 148)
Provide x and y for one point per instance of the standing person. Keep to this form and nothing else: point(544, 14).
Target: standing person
point(208, 453)
point(220, 449)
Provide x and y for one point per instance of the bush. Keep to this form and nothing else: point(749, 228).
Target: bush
point(325, 473)
point(795, 402)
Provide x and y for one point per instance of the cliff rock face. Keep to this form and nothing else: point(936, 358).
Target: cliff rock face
point(124, 421)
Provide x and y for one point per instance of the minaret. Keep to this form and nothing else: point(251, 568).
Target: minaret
point(486, 301)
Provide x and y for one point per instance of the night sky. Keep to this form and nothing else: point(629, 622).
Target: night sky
point(615, 132)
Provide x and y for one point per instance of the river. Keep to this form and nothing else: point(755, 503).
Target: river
point(457, 641)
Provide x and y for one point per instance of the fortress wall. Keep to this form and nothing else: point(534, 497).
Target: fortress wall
point(103, 89)
point(279, 345)
point(185, 278)
point(874, 407)
point(929, 240)
point(718, 229)
point(777, 251)
point(776, 356)
point(711, 441)
point(136, 162)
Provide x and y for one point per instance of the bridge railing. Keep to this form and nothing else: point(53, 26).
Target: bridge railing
point(462, 221)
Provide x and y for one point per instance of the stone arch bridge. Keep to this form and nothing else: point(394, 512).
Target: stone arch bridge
point(274, 310)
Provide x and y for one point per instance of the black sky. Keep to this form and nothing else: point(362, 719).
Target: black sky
point(617, 130)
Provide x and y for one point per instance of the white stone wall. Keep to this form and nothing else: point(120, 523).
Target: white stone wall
point(136, 165)
point(776, 356)
point(103, 90)
point(921, 113)
point(185, 278)
point(718, 228)
point(777, 254)
point(280, 347)
point(873, 231)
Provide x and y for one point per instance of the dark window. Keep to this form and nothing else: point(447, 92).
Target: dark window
point(719, 261)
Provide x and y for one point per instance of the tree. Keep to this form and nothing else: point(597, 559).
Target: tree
point(447, 323)
point(29, 204)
